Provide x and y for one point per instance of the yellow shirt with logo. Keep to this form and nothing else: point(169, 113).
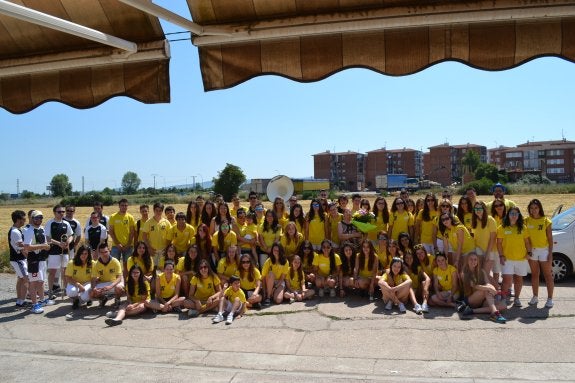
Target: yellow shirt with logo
point(468, 242)
point(275, 268)
point(248, 232)
point(246, 284)
point(537, 230)
point(513, 242)
point(269, 237)
point(401, 223)
point(227, 269)
point(81, 274)
point(481, 235)
point(292, 247)
point(295, 282)
point(157, 232)
point(168, 289)
point(205, 287)
point(108, 272)
point(140, 296)
point(122, 224)
point(232, 294)
point(182, 239)
point(134, 260)
point(323, 264)
point(229, 239)
point(445, 277)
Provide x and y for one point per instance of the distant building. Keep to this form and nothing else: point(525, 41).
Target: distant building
point(345, 170)
point(445, 162)
point(395, 161)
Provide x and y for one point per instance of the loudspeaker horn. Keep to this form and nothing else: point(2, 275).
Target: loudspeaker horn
point(279, 186)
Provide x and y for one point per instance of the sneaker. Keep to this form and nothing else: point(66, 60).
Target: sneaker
point(389, 305)
point(321, 292)
point(425, 308)
point(461, 307)
point(332, 293)
point(111, 314)
point(56, 289)
point(176, 309)
point(103, 301)
point(267, 302)
point(402, 308)
point(371, 297)
point(51, 295)
point(113, 322)
point(497, 317)
point(75, 304)
point(230, 318)
point(291, 300)
point(417, 308)
point(468, 311)
point(517, 303)
point(218, 318)
point(47, 302)
point(37, 308)
point(533, 301)
point(89, 303)
point(22, 304)
point(193, 313)
point(116, 303)
point(549, 303)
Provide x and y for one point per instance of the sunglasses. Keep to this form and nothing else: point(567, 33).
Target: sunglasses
point(203, 267)
point(445, 219)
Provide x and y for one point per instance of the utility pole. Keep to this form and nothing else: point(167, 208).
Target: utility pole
point(18, 186)
point(154, 175)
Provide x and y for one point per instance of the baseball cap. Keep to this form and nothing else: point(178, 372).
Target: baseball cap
point(498, 185)
point(233, 278)
point(36, 213)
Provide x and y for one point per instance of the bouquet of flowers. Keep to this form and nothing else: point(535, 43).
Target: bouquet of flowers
point(362, 220)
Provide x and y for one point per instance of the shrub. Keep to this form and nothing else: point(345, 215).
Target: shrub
point(88, 200)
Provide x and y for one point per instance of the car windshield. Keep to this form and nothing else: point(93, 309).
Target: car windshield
point(561, 221)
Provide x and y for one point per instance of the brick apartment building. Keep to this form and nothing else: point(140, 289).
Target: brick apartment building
point(443, 163)
point(396, 161)
point(345, 170)
point(553, 159)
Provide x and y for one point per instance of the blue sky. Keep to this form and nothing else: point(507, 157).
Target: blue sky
point(271, 125)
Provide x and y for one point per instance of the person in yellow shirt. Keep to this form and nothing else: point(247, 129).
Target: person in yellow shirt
point(182, 234)
point(456, 237)
point(296, 215)
point(282, 213)
point(138, 290)
point(348, 256)
point(122, 230)
point(247, 234)
point(229, 265)
point(445, 283)
point(168, 286)
point(156, 232)
point(269, 233)
point(327, 269)
point(307, 256)
point(541, 258)
point(485, 237)
point(142, 258)
point(236, 206)
point(205, 291)
point(222, 240)
point(420, 281)
point(424, 223)
point(144, 216)
point(296, 289)
point(193, 215)
point(424, 259)
point(381, 213)
point(513, 246)
point(291, 240)
point(274, 272)
point(79, 276)
point(333, 219)
point(233, 302)
point(465, 212)
point(315, 224)
point(107, 278)
point(382, 251)
point(169, 254)
point(395, 285)
point(365, 270)
point(188, 266)
point(250, 281)
point(400, 220)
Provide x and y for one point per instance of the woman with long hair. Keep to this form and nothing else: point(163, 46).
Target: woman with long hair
point(420, 282)
point(445, 283)
point(138, 292)
point(381, 213)
point(274, 273)
point(168, 285)
point(348, 256)
point(541, 257)
point(296, 289)
point(193, 214)
point(296, 215)
point(315, 224)
point(456, 237)
point(204, 243)
point(327, 269)
point(187, 267)
point(365, 269)
point(291, 240)
point(479, 293)
point(228, 265)
point(79, 276)
point(223, 216)
point(142, 257)
point(382, 250)
point(395, 285)
point(333, 219)
point(250, 281)
point(222, 240)
point(498, 211)
point(513, 246)
point(269, 233)
point(279, 208)
point(208, 213)
point(170, 254)
point(205, 291)
point(307, 255)
point(485, 237)
point(400, 220)
point(425, 222)
point(445, 207)
point(465, 212)
point(405, 244)
point(424, 259)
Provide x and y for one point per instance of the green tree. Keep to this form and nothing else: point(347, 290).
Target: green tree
point(471, 161)
point(27, 194)
point(488, 171)
point(60, 185)
point(130, 183)
point(229, 181)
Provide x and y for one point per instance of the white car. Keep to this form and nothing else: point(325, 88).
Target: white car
point(563, 244)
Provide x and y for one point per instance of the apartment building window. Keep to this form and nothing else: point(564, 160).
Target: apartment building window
point(514, 155)
point(556, 152)
point(556, 161)
point(555, 170)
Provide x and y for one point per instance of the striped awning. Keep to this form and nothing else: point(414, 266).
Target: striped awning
point(308, 40)
point(40, 64)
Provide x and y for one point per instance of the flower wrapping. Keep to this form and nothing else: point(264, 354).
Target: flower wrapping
point(362, 220)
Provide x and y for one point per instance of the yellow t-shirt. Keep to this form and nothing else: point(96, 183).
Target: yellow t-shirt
point(283, 220)
point(245, 282)
point(295, 282)
point(137, 297)
point(384, 259)
point(275, 268)
point(468, 242)
point(400, 222)
point(81, 274)
point(316, 232)
point(248, 232)
point(397, 279)
point(467, 217)
point(121, 225)
point(482, 235)
point(292, 247)
point(205, 288)
point(537, 230)
point(333, 225)
point(426, 227)
point(134, 260)
point(269, 237)
point(182, 239)
point(364, 270)
point(234, 211)
point(157, 232)
point(227, 269)
point(230, 239)
point(108, 272)
point(444, 277)
point(180, 267)
point(372, 235)
point(168, 289)
point(231, 294)
point(428, 269)
point(414, 277)
point(323, 265)
point(513, 242)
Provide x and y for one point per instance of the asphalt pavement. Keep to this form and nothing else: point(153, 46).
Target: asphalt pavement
point(322, 340)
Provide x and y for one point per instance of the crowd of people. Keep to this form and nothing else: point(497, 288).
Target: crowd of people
point(226, 258)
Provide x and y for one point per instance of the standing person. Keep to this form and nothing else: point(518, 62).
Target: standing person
point(107, 277)
point(204, 243)
point(342, 202)
point(296, 215)
point(465, 212)
point(315, 225)
point(456, 237)
point(236, 206)
point(95, 233)
point(291, 240)
point(102, 218)
point(485, 237)
point(170, 214)
point(479, 293)
point(222, 216)
point(381, 213)
point(79, 276)
point(269, 233)
point(404, 195)
point(200, 201)
point(445, 207)
point(513, 246)
point(233, 302)
point(247, 234)
point(76, 228)
point(182, 234)
point(541, 258)
point(36, 245)
point(281, 212)
point(499, 191)
point(498, 211)
point(208, 213)
point(347, 232)
point(122, 230)
point(274, 272)
point(400, 220)
point(292, 202)
point(156, 232)
point(365, 270)
point(193, 215)
point(355, 202)
point(59, 235)
point(395, 286)
point(18, 256)
point(138, 298)
point(333, 220)
point(471, 195)
point(253, 201)
point(144, 215)
point(425, 222)
point(327, 269)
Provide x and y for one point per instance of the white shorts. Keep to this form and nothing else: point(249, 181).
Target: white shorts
point(230, 306)
point(492, 256)
point(40, 276)
point(516, 268)
point(58, 261)
point(101, 285)
point(72, 291)
point(428, 247)
point(20, 268)
point(540, 254)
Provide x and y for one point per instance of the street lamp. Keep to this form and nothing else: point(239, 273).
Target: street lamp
point(202, 178)
point(154, 175)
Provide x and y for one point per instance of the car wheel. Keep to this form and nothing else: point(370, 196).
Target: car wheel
point(561, 267)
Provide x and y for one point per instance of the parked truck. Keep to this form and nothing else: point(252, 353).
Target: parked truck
point(390, 182)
